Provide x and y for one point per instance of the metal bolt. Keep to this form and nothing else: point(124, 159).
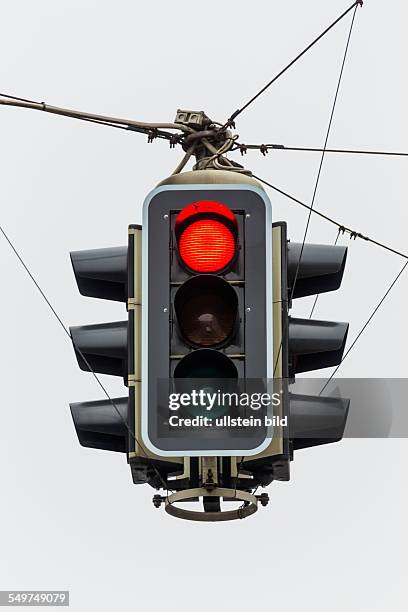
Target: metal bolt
point(158, 500)
point(165, 309)
point(263, 499)
point(165, 216)
point(247, 216)
point(248, 309)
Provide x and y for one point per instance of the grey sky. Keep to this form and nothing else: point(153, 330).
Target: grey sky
point(70, 517)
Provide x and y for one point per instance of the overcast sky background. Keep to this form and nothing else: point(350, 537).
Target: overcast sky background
point(335, 536)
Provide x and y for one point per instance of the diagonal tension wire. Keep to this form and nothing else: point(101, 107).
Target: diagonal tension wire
point(320, 169)
point(316, 40)
point(366, 324)
point(66, 330)
point(323, 152)
point(353, 234)
point(344, 229)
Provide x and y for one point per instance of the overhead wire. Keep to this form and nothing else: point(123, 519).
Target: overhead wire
point(67, 332)
point(354, 234)
point(365, 325)
point(323, 153)
point(154, 129)
point(275, 78)
point(264, 148)
point(310, 208)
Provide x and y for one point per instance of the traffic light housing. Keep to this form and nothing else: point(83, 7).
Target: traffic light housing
point(314, 344)
point(207, 307)
point(102, 348)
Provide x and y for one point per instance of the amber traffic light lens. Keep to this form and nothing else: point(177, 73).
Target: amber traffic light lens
point(207, 311)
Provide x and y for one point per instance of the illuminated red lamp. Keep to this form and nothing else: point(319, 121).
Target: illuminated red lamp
point(206, 235)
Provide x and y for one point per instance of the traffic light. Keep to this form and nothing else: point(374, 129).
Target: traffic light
point(313, 344)
point(207, 311)
point(102, 348)
point(217, 279)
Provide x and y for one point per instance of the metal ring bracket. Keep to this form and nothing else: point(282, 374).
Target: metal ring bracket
point(195, 515)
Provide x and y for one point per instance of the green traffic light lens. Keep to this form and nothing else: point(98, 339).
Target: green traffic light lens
point(207, 311)
point(206, 363)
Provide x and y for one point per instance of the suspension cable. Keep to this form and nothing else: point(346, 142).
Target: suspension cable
point(275, 78)
point(344, 230)
point(366, 324)
point(154, 130)
point(68, 334)
point(264, 148)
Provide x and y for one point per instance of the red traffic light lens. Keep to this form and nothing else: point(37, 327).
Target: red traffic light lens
point(207, 246)
point(206, 236)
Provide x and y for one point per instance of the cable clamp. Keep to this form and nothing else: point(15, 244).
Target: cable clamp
point(231, 123)
point(263, 149)
point(243, 149)
point(174, 140)
point(354, 235)
point(151, 135)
